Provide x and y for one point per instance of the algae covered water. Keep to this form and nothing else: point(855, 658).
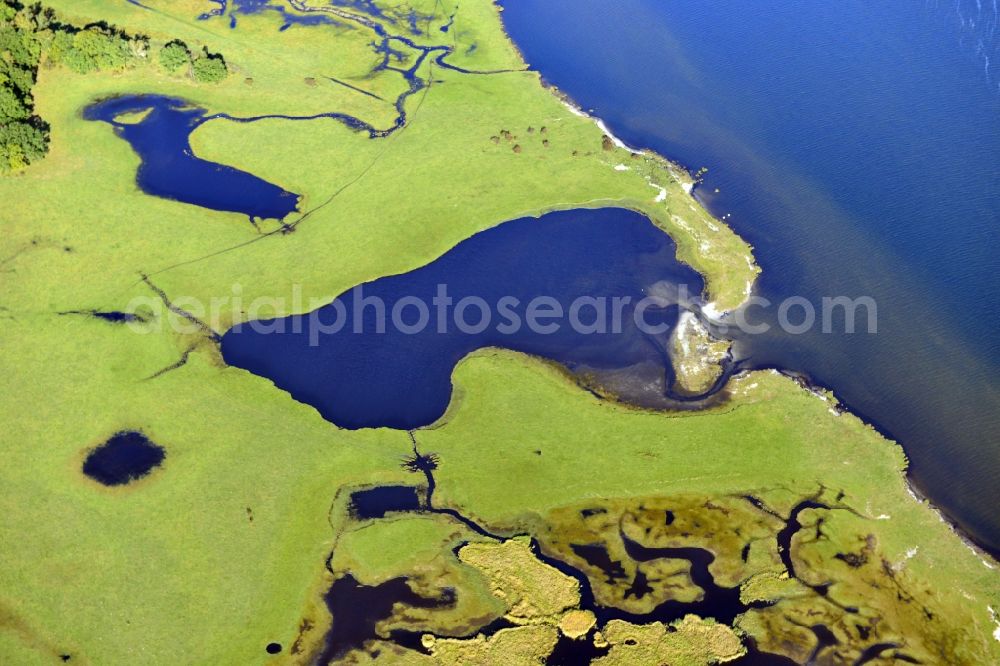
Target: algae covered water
point(856, 145)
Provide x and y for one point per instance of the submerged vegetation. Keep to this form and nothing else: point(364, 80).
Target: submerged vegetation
point(797, 576)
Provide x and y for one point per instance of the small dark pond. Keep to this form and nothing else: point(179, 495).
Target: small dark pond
point(125, 457)
point(171, 170)
point(374, 503)
point(382, 354)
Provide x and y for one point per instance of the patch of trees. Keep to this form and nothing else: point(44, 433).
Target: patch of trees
point(23, 135)
point(96, 48)
point(176, 58)
point(209, 68)
point(31, 34)
point(175, 55)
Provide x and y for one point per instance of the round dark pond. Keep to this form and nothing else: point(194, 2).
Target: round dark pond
point(125, 457)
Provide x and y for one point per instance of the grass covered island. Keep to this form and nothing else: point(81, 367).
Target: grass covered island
point(534, 523)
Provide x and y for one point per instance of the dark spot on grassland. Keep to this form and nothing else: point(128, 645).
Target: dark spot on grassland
point(119, 317)
point(855, 560)
point(111, 316)
point(587, 513)
point(125, 457)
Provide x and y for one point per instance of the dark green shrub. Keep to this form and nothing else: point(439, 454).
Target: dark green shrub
point(210, 69)
point(174, 56)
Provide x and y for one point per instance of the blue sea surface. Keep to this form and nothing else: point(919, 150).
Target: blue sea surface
point(856, 145)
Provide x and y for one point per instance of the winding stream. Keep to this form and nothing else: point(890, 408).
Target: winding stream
point(161, 138)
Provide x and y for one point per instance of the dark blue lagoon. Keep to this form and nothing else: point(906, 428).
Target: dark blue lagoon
point(548, 286)
point(856, 145)
point(171, 170)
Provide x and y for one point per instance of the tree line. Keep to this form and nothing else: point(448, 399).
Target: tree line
point(32, 35)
